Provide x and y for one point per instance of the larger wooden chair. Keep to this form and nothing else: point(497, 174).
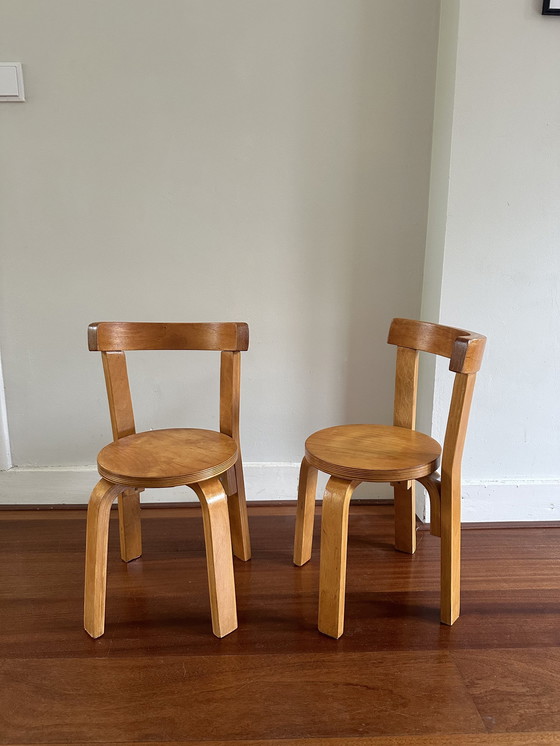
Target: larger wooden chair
point(207, 461)
point(352, 454)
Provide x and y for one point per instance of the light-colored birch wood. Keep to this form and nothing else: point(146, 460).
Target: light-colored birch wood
point(465, 349)
point(97, 533)
point(130, 528)
point(217, 537)
point(305, 514)
point(234, 486)
point(137, 335)
point(404, 415)
point(166, 458)
point(432, 483)
point(334, 542)
point(122, 424)
point(118, 394)
point(405, 517)
point(451, 497)
point(375, 453)
point(237, 506)
point(406, 388)
point(234, 480)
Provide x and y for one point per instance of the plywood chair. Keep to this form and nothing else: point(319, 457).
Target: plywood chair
point(352, 454)
point(207, 461)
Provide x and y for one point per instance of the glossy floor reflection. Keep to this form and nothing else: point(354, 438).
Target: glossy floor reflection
point(159, 675)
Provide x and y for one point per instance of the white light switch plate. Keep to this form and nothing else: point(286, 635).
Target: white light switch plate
point(11, 82)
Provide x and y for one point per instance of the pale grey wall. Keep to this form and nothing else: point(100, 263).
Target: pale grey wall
point(439, 194)
point(501, 262)
point(256, 160)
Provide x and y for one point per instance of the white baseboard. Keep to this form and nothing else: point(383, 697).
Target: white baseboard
point(72, 485)
point(498, 500)
point(511, 500)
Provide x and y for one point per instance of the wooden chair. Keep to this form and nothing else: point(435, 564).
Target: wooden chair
point(352, 454)
point(209, 462)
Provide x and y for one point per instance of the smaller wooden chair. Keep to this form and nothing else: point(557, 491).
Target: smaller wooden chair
point(207, 461)
point(352, 454)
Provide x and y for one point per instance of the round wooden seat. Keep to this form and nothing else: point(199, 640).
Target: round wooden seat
point(373, 453)
point(167, 458)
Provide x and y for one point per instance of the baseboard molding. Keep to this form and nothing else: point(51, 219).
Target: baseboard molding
point(490, 501)
point(511, 500)
point(520, 500)
point(264, 481)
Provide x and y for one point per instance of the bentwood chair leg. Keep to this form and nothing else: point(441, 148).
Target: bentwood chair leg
point(99, 509)
point(219, 560)
point(130, 529)
point(305, 514)
point(432, 483)
point(334, 541)
point(234, 485)
point(450, 551)
point(405, 517)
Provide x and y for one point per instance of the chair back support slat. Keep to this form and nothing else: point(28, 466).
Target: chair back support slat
point(464, 348)
point(457, 422)
point(230, 377)
point(113, 337)
point(118, 394)
point(406, 388)
point(109, 336)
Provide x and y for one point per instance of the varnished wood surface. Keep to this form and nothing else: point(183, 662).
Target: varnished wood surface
point(396, 676)
point(137, 335)
point(118, 394)
point(458, 739)
point(332, 571)
point(234, 480)
point(465, 349)
point(373, 453)
point(167, 458)
point(399, 455)
point(97, 535)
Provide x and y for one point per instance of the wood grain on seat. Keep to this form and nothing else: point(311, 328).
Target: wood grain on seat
point(208, 462)
point(373, 453)
point(167, 458)
point(399, 455)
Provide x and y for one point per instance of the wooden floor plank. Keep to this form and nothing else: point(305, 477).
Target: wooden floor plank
point(159, 675)
point(514, 690)
point(159, 604)
point(433, 739)
point(234, 697)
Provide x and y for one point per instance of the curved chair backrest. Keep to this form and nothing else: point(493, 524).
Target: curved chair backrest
point(112, 338)
point(464, 350)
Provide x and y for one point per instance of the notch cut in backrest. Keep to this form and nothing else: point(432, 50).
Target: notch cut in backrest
point(115, 336)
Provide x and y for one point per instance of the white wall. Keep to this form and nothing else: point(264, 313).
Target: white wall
point(501, 258)
point(264, 161)
point(439, 196)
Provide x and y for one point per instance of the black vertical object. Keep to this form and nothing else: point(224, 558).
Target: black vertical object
point(548, 11)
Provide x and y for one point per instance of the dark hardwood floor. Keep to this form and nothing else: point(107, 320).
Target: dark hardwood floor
point(159, 676)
